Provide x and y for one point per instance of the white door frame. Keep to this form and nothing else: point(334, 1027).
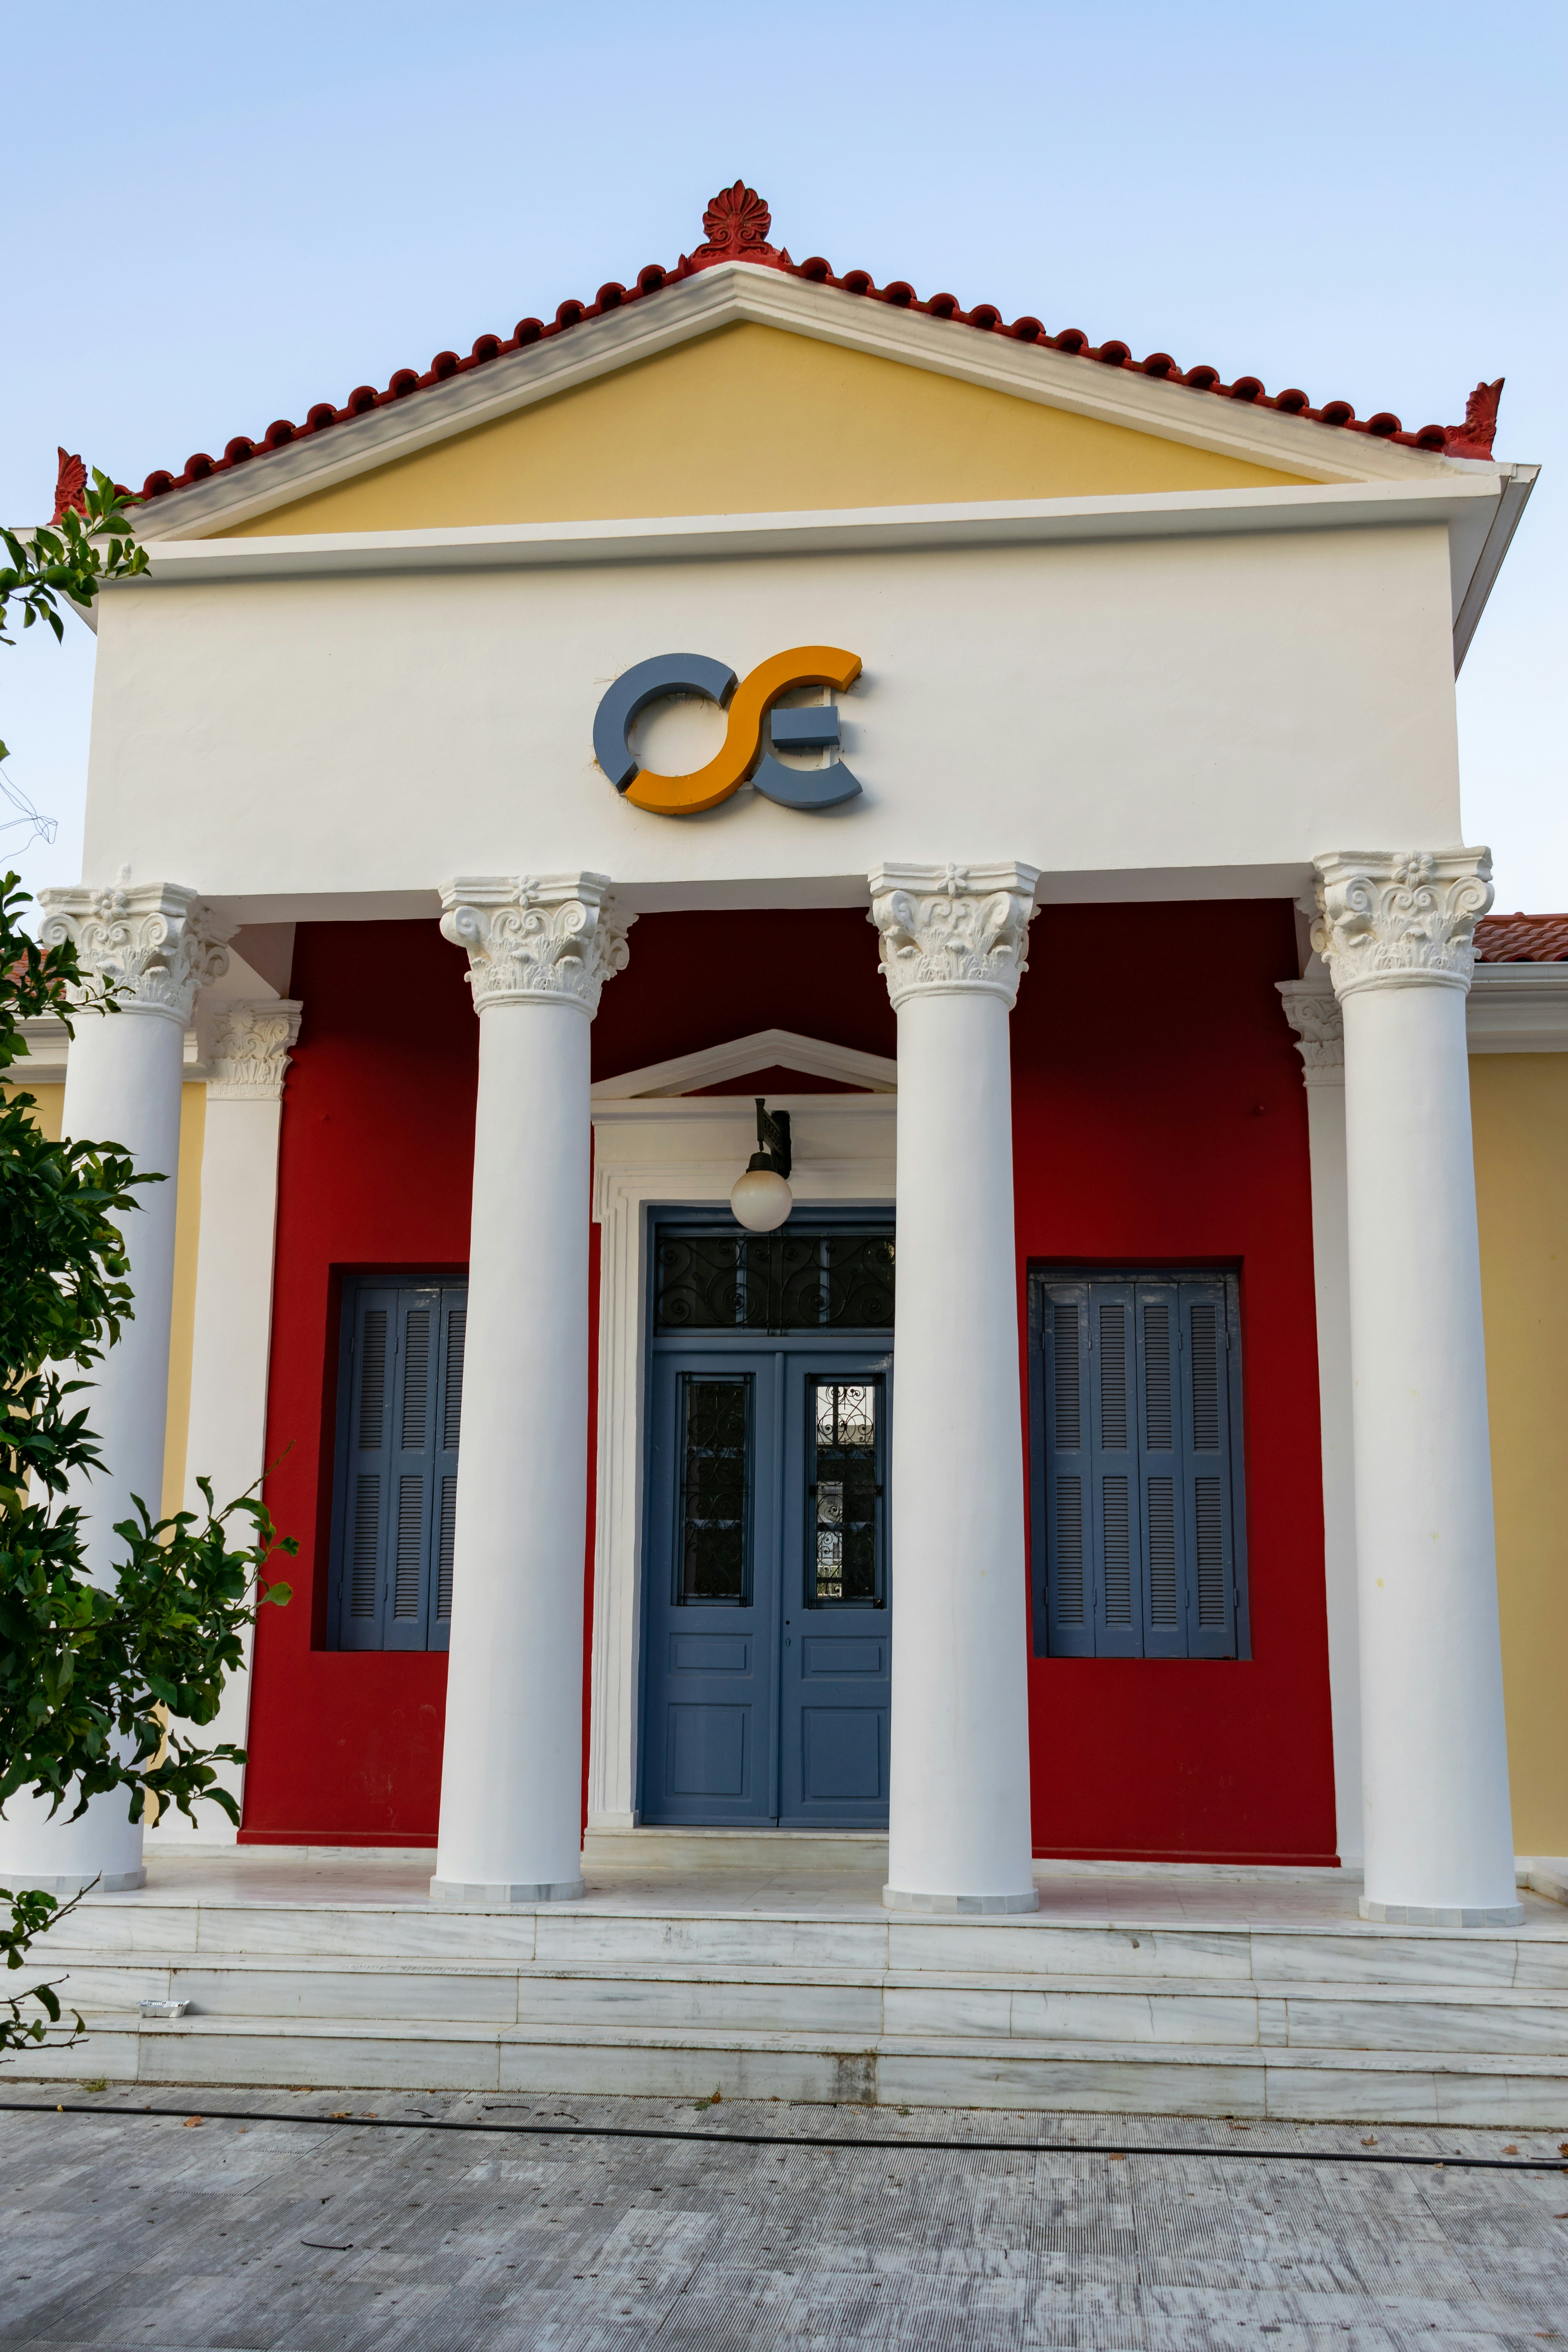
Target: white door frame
point(679, 1151)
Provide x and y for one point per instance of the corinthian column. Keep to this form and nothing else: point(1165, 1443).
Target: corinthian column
point(154, 945)
point(953, 949)
point(1396, 933)
point(540, 951)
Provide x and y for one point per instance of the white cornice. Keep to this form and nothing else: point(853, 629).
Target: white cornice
point(1468, 504)
point(764, 1049)
point(1518, 1008)
point(737, 293)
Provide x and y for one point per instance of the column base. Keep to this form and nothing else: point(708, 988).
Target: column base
point(486, 1893)
point(76, 1882)
point(1442, 1914)
point(967, 1906)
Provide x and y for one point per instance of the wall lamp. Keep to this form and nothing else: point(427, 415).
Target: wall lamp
point(762, 1198)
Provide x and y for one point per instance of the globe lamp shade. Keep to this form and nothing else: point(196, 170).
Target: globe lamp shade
point(761, 1199)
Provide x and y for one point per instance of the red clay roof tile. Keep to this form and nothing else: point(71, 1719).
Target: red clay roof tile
point(1522, 938)
point(737, 223)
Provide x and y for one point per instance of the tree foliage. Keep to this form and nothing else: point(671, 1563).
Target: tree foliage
point(102, 1682)
point(71, 559)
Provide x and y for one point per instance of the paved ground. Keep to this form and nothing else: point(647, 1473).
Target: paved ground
point(128, 2229)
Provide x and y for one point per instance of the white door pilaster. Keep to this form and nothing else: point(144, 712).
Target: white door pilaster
point(540, 951)
point(1396, 933)
point(953, 949)
point(1313, 1012)
point(155, 944)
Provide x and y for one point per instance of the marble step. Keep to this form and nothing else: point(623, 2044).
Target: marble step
point(581, 1936)
point(1456, 2087)
point(768, 1855)
point(1165, 2012)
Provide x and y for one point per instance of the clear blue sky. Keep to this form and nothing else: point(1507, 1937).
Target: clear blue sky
point(215, 215)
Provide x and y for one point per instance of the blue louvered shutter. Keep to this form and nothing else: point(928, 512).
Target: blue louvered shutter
point(396, 1499)
point(448, 1430)
point(1208, 1500)
point(372, 1315)
point(1118, 1515)
point(408, 1562)
point(1160, 1469)
point(1068, 1539)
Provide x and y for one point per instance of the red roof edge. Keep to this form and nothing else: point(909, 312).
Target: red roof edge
point(737, 223)
point(1522, 938)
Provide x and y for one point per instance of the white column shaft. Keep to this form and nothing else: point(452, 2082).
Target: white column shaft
point(1438, 1832)
point(1397, 932)
point(511, 1781)
point(154, 944)
point(959, 1831)
point(123, 1077)
point(124, 1085)
point(511, 1776)
point(953, 946)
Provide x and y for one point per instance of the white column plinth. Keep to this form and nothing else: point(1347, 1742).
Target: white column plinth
point(1313, 1012)
point(232, 1333)
point(123, 1075)
point(952, 944)
point(511, 1822)
point(1396, 933)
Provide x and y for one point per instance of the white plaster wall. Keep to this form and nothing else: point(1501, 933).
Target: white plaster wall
point(1120, 715)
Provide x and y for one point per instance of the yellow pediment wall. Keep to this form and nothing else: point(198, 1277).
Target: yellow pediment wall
point(754, 420)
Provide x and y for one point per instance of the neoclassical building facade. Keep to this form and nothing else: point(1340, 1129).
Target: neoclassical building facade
point(1066, 769)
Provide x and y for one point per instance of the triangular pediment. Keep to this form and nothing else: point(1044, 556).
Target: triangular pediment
point(767, 1057)
point(753, 418)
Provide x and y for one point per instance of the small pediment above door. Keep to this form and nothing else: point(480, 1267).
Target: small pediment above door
point(772, 1060)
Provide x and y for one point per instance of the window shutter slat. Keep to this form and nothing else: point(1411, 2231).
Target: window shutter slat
point(365, 1556)
point(371, 1331)
point(415, 1413)
point(444, 1492)
point(1160, 1469)
point(1118, 1518)
point(1208, 1512)
point(1069, 1563)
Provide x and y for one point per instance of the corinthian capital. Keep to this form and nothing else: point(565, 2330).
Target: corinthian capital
point(1313, 1012)
point(1391, 919)
point(249, 1056)
point(944, 929)
point(151, 944)
point(544, 939)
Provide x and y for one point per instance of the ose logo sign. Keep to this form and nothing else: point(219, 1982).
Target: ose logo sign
point(743, 754)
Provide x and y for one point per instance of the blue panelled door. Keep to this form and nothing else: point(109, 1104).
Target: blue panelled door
point(768, 1608)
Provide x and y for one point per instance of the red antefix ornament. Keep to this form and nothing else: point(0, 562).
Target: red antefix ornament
point(737, 223)
point(1474, 438)
point(71, 487)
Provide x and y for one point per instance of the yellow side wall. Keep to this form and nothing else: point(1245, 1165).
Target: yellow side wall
point(187, 1225)
point(51, 1105)
point(750, 421)
point(1520, 1104)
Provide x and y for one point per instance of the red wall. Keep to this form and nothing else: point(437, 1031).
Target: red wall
point(373, 1173)
point(1158, 1114)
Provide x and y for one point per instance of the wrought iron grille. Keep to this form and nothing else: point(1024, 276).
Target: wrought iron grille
point(715, 1489)
point(774, 1282)
point(845, 1491)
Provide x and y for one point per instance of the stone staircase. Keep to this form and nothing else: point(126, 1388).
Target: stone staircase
point(826, 1998)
